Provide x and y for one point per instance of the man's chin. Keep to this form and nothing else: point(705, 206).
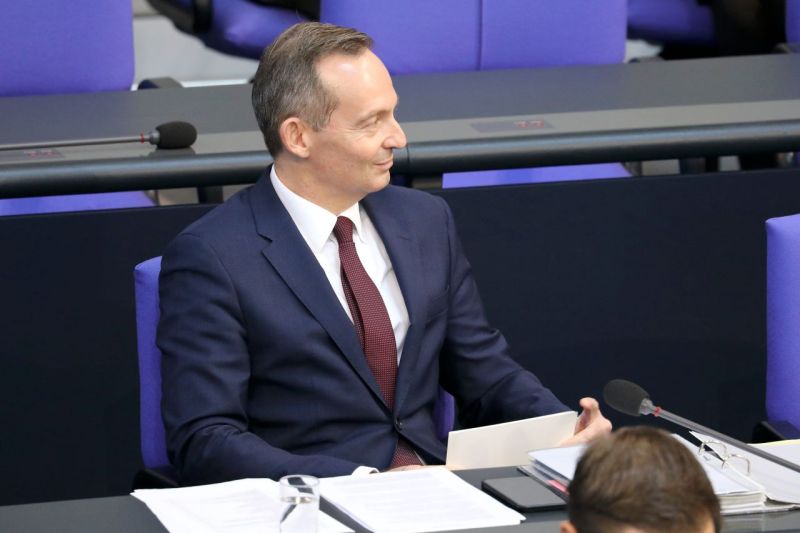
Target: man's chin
point(381, 181)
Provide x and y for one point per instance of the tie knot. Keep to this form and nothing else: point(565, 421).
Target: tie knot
point(343, 230)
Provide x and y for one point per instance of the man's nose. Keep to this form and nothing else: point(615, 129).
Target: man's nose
point(396, 137)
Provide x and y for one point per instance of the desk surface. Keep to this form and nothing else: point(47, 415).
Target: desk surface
point(125, 514)
point(454, 121)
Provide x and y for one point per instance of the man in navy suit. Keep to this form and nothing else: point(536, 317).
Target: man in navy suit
point(263, 337)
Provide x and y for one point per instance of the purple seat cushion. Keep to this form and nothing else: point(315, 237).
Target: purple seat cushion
point(154, 448)
point(73, 202)
point(671, 21)
point(481, 178)
point(52, 46)
point(783, 319)
point(243, 28)
point(415, 36)
point(522, 33)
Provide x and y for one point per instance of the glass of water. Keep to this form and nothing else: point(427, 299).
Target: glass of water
point(300, 497)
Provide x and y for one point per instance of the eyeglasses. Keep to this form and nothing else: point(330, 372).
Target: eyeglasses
point(718, 450)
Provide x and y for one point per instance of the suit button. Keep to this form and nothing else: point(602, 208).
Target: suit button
point(398, 424)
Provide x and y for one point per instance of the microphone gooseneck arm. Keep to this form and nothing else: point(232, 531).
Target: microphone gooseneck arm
point(629, 398)
point(142, 138)
point(170, 135)
point(694, 426)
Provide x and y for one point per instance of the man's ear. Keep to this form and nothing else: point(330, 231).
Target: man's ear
point(567, 527)
point(294, 135)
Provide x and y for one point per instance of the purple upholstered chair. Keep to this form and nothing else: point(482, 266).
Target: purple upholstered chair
point(51, 46)
point(236, 27)
point(158, 471)
point(793, 21)
point(416, 36)
point(783, 325)
point(671, 22)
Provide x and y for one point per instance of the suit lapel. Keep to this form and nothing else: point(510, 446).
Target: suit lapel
point(288, 253)
point(403, 248)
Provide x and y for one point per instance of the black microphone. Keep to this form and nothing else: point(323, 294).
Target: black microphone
point(170, 135)
point(630, 399)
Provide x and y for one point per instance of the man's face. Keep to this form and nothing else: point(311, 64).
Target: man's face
point(351, 156)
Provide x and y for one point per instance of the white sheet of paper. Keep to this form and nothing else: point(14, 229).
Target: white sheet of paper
point(508, 444)
point(242, 506)
point(427, 499)
point(560, 460)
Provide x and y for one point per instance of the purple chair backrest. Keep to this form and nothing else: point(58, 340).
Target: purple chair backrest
point(793, 21)
point(53, 46)
point(415, 36)
point(783, 319)
point(153, 441)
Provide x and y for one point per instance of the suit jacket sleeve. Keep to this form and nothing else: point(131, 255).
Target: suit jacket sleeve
point(202, 335)
point(475, 363)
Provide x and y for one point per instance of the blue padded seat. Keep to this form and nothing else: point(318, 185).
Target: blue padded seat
point(793, 21)
point(783, 319)
point(153, 442)
point(242, 28)
point(51, 46)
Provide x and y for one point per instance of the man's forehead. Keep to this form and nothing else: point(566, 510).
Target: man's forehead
point(341, 64)
point(360, 76)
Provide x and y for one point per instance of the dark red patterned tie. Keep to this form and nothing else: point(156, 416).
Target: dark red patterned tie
point(373, 326)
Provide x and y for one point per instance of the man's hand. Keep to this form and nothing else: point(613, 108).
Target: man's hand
point(591, 424)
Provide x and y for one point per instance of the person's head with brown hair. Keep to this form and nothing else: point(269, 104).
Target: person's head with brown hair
point(326, 104)
point(640, 479)
point(287, 82)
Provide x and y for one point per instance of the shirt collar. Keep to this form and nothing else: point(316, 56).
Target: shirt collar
point(315, 223)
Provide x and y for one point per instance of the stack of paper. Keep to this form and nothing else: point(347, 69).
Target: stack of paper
point(768, 487)
point(779, 486)
point(427, 499)
point(243, 506)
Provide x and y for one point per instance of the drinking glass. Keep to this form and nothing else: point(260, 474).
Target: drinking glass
point(300, 497)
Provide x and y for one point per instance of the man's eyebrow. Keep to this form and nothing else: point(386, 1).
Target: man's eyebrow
point(372, 114)
point(369, 116)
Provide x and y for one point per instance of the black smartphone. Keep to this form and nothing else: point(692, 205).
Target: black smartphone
point(523, 494)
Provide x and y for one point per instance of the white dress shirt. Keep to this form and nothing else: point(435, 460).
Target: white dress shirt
point(316, 226)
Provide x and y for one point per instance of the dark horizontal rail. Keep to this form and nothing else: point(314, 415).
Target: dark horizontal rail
point(130, 174)
point(600, 147)
point(418, 158)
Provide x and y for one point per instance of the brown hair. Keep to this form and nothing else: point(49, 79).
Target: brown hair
point(640, 477)
point(287, 83)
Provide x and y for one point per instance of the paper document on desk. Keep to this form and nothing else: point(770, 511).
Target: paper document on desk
point(427, 499)
point(507, 444)
point(780, 485)
point(242, 506)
